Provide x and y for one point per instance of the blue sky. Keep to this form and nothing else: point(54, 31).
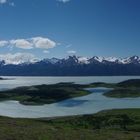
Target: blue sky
point(58, 28)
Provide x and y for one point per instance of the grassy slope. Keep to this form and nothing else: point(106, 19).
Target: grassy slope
point(101, 126)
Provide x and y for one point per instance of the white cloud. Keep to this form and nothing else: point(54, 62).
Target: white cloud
point(18, 58)
point(3, 1)
point(7, 2)
point(71, 52)
point(69, 45)
point(46, 51)
point(64, 1)
point(21, 43)
point(3, 43)
point(44, 43)
point(35, 42)
point(12, 4)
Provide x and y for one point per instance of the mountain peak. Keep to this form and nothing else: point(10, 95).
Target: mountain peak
point(71, 60)
point(71, 66)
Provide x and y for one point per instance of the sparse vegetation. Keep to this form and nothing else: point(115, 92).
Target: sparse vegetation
point(112, 124)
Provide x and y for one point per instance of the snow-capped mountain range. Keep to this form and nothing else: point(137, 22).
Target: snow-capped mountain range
point(70, 66)
point(128, 60)
point(75, 59)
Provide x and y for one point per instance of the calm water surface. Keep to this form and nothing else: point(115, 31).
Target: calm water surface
point(26, 81)
point(82, 105)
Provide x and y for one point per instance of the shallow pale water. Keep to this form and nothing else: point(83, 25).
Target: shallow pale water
point(26, 81)
point(82, 105)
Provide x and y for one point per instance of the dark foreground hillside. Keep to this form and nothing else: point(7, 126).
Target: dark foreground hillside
point(106, 125)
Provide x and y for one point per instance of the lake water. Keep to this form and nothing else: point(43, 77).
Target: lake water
point(27, 81)
point(82, 105)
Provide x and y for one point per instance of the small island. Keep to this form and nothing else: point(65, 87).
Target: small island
point(126, 89)
point(1, 78)
point(44, 94)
